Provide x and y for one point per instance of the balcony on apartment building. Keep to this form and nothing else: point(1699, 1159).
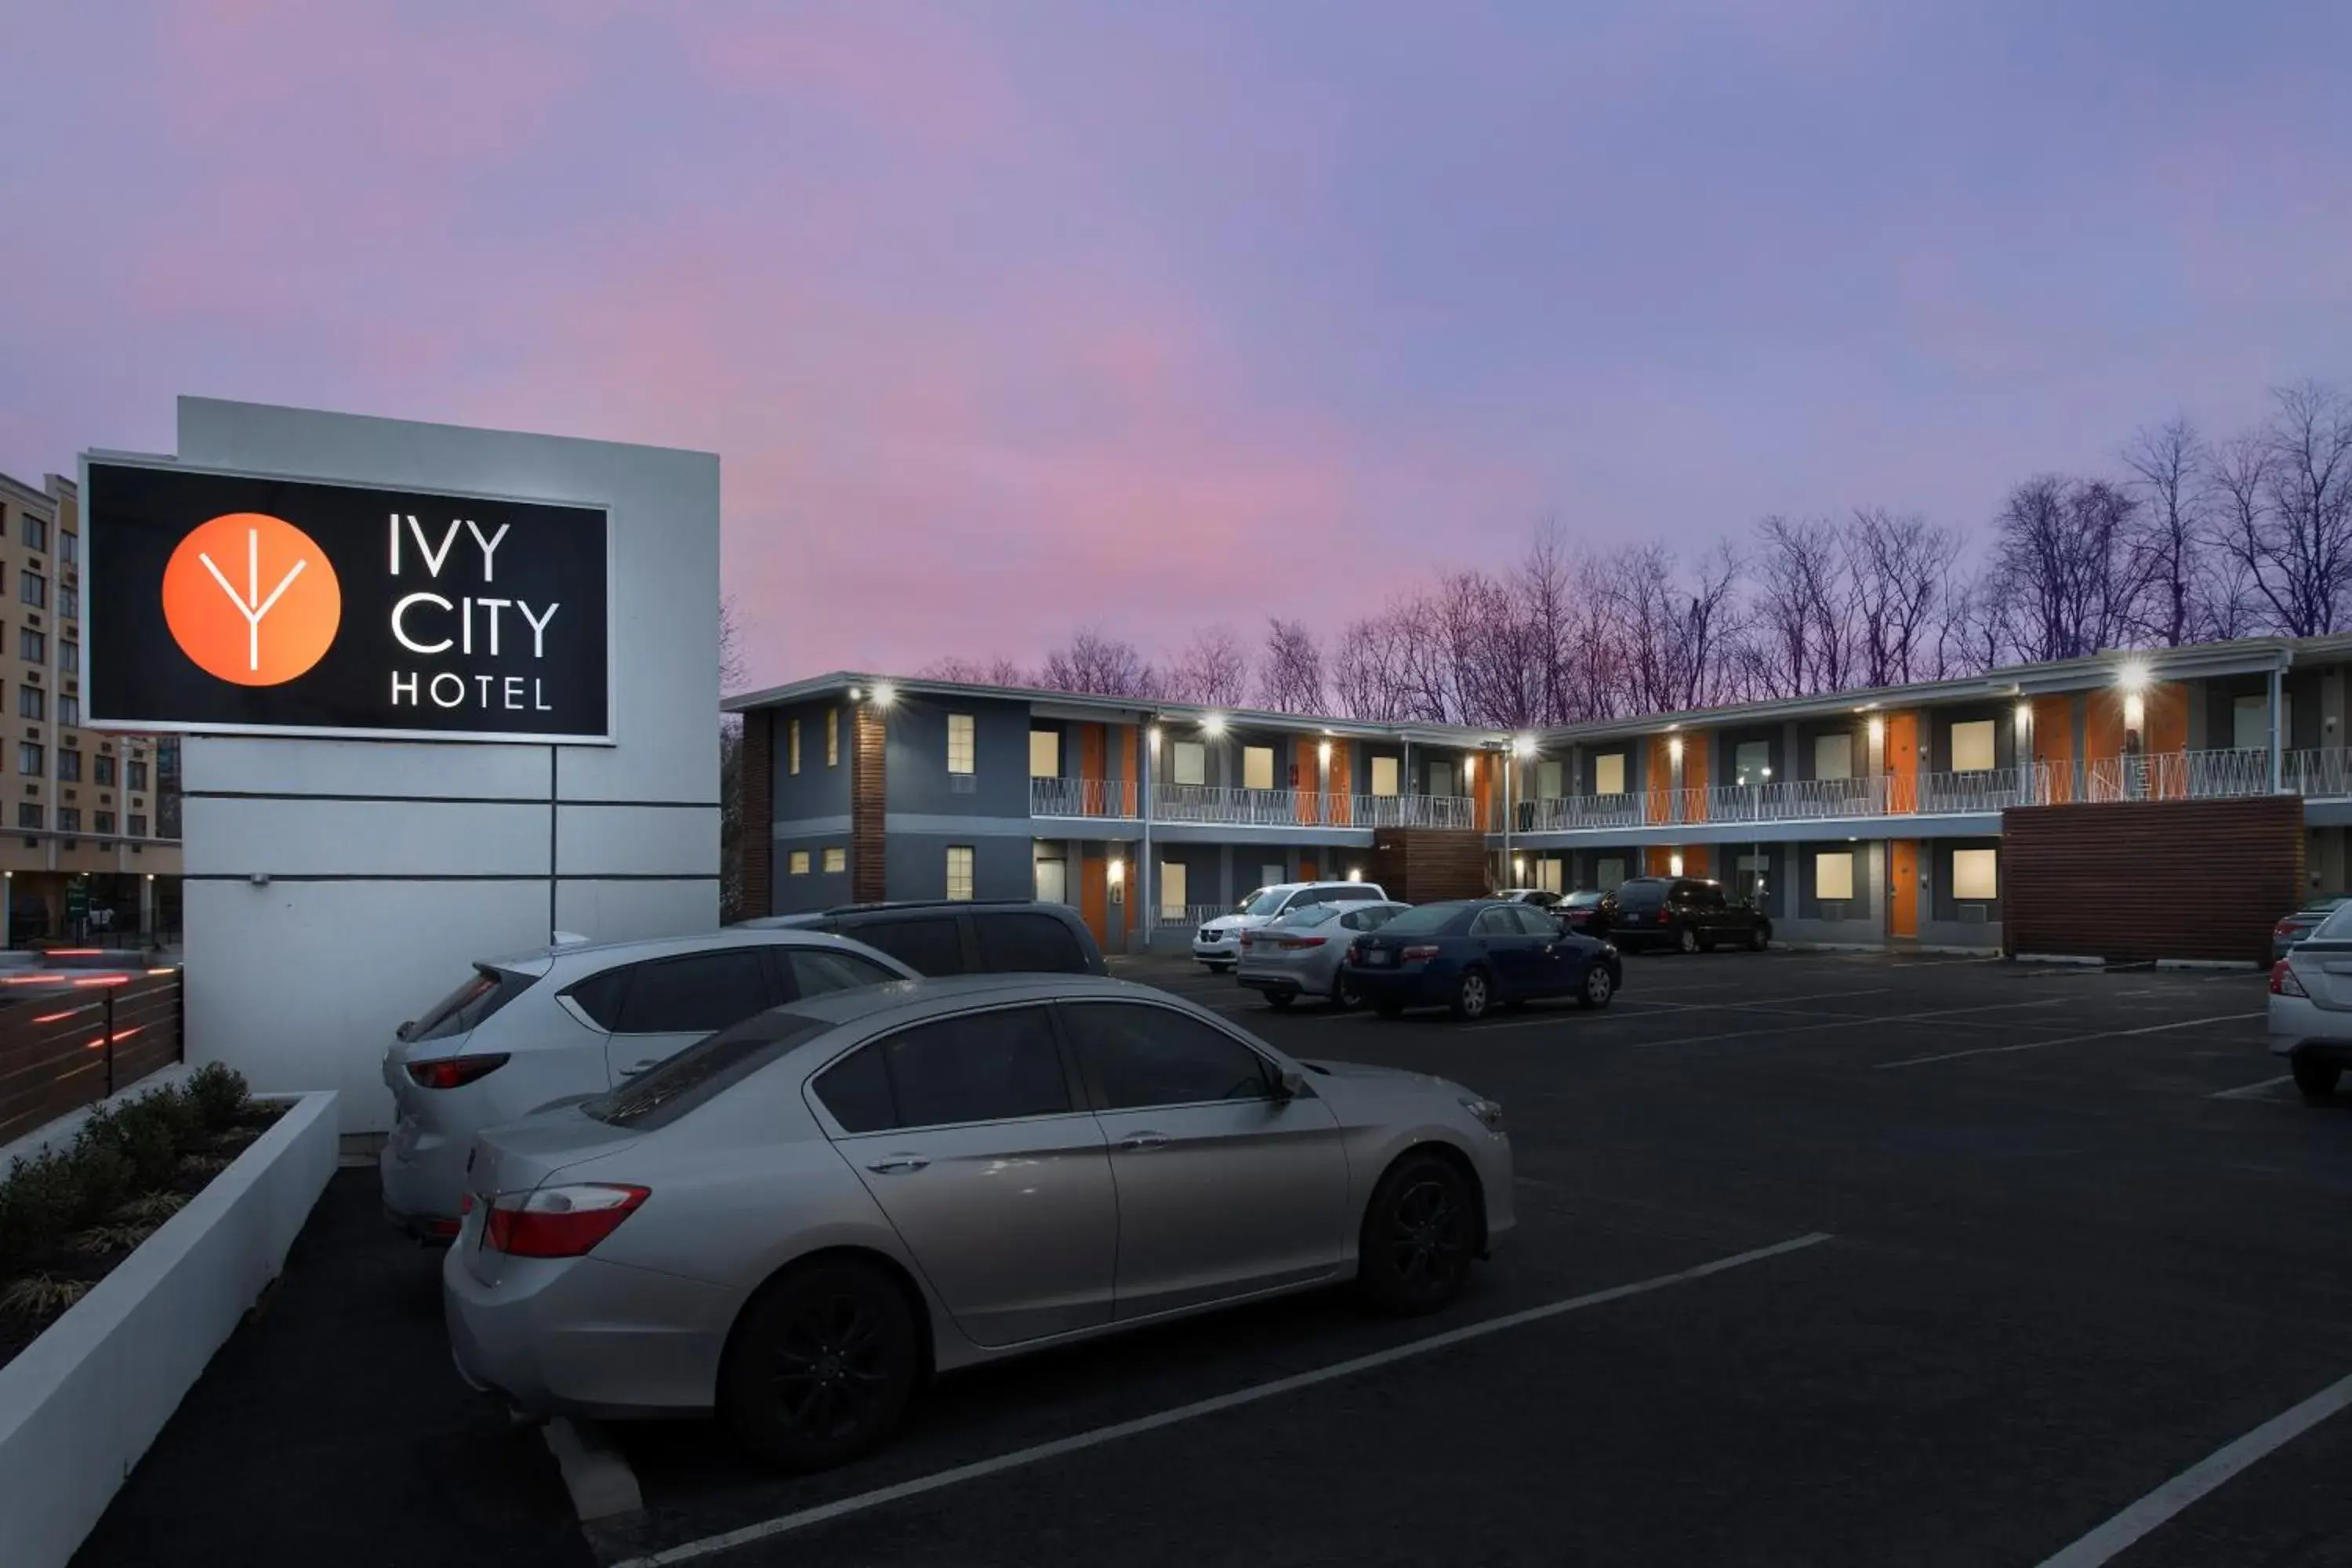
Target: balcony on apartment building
point(1186, 804)
point(2165, 775)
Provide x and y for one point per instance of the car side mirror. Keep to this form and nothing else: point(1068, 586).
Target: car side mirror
point(1288, 1084)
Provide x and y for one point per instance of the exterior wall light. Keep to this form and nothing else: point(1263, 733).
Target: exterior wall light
point(1523, 747)
point(1675, 864)
point(1355, 873)
point(1117, 871)
point(885, 694)
point(1325, 752)
point(1152, 735)
point(2135, 711)
point(1469, 765)
point(1877, 729)
point(1213, 724)
point(1674, 747)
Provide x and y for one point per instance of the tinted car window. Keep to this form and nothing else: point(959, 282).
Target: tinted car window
point(1303, 898)
point(1024, 942)
point(929, 945)
point(660, 1095)
point(979, 1066)
point(483, 994)
point(1371, 919)
point(1584, 900)
point(857, 1090)
point(1141, 1055)
point(1640, 895)
point(1533, 920)
point(1348, 893)
point(1425, 920)
point(817, 970)
point(600, 996)
point(1497, 922)
point(695, 994)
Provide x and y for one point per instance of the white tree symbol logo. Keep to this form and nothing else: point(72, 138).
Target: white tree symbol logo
point(250, 604)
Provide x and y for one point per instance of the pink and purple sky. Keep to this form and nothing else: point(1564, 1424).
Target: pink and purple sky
point(1010, 317)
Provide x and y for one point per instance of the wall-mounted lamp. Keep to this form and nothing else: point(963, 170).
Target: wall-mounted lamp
point(1355, 873)
point(2134, 712)
point(2024, 716)
point(1877, 729)
point(1213, 724)
point(151, 875)
point(1152, 735)
point(1523, 747)
point(1674, 747)
point(1323, 751)
point(1469, 765)
point(1675, 864)
point(885, 694)
point(855, 692)
point(2131, 675)
point(1117, 871)
point(1518, 867)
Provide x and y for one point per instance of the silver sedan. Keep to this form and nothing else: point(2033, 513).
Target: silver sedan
point(1299, 954)
point(795, 1220)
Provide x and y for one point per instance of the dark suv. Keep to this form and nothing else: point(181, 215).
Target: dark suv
point(961, 936)
point(1688, 914)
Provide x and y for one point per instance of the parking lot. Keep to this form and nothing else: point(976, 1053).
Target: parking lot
point(1822, 1258)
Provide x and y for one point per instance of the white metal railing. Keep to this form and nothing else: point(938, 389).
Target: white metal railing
point(1414, 811)
point(1226, 804)
point(2316, 773)
point(1082, 797)
point(1190, 915)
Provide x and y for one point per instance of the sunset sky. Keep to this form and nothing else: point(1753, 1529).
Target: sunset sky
point(1010, 317)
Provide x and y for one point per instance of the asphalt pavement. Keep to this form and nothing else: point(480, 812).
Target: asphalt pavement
point(1822, 1259)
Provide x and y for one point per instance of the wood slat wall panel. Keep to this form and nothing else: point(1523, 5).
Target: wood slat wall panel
point(755, 780)
point(870, 878)
point(1424, 865)
point(2146, 880)
point(47, 1068)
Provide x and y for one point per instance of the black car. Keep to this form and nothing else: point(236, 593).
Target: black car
point(1579, 912)
point(1475, 953)
point(962, 936)
point(1689, 914)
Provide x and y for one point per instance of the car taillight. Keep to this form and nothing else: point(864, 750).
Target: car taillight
point(1292, 944)
point(2284, 927)
point(559, 1222)
point(455, 1072)
point(2283, 982)
point(1414, 955)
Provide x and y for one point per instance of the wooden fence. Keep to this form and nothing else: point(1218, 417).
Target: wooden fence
point(71, 1039)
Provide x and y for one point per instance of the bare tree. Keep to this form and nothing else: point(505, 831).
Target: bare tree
point(1977, 629)
point(1290, 671)
point(1213, 671)
point(2059, 562)
point(1098, 665)
point(2286, 498)
point(1678, 634)
point(1798, 606)
point(1898, 567)
point(999, 672)
point(1370, 666)
point(2170, 544)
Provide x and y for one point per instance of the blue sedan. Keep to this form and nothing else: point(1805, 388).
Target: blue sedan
point(1475, 954)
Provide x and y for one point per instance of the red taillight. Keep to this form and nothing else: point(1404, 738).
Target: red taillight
point(1415, 954)
point(1292, 944)
point(455, 1072)
point(442, 1227)
point(2283, 982)
point(2284, 927)
point(559, 1222)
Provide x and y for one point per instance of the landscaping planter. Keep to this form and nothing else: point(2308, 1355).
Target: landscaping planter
point(82, 1402)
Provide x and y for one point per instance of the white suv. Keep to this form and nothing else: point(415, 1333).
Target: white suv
point(1218, 943)
point(563, 1022)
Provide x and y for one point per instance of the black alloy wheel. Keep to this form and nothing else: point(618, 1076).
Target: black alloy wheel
point(823, 1367)
point(1420, 1233)
point(2316, 1078)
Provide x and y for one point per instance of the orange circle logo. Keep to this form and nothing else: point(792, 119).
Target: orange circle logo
point(252, 599)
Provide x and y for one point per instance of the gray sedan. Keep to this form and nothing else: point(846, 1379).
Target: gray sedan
point(1299, 954)
point(795, 1220)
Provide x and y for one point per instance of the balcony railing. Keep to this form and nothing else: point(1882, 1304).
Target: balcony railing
point(1226, 805)
point(1082, 797)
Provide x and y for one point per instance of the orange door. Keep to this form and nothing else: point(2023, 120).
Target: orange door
point(1094, 898)
point(2053, 747)
point(1902, 888)
point(1657, 781)
point(1903, 762)
point(1662, 861)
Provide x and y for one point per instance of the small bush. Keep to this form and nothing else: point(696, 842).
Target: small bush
point(152, 1209)
point(38, 1296)
point(203, 1166)
point(112, 1237)
point(219, 1096)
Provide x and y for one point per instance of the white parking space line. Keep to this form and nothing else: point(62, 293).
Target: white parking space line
point(2252, 1090)
point(1851, 1023)
point(691, 1551)
point(1761, 1004)
point(2113, 1538)
point(2069, 1040)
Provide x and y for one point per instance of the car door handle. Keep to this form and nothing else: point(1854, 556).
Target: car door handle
point(897, 1163)
point(1137, 1141)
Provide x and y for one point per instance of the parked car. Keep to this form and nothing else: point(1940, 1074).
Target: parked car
point(938, 937)
point(2311, 1007)
point(2301, 923)
point(1218, 942)
point(1579, 912)
point(1475, 953)
point(1542, 897)
point(1302, 954)
point(796, 1221)
point(524, 1031)
point(1689, 914)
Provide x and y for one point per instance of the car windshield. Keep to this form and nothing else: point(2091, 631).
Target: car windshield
point(660, 1096)
point(1264, 901)
point(1424, 918)
point(1312, 915)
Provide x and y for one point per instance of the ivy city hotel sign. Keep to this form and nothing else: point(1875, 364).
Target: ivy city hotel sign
point(240, 603)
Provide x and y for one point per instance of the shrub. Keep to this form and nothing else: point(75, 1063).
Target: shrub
point(219, 1096)
point(152, 1209)
point(151, 1131)
point(112, 1236)
point(41, 1296)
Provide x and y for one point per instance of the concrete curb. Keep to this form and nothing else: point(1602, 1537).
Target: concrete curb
point(601, 1485)
point(2077, 958)
point(2240, 964)
point(85, 1400)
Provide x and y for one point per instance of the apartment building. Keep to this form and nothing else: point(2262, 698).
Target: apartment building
point(1913, 816)
point(88, 819)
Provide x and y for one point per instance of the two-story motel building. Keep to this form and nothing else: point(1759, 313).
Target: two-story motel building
point(1877, 818)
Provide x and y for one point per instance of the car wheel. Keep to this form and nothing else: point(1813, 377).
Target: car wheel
point(1344, 994)
point(1388, 1009)
point(822, 1369)
point(1758, 937)
point(1687, 940)
point(1413, 1255)
point(1278, 1000)
point(2316, 1078)
point(1597, 987)
point(1474, 995)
